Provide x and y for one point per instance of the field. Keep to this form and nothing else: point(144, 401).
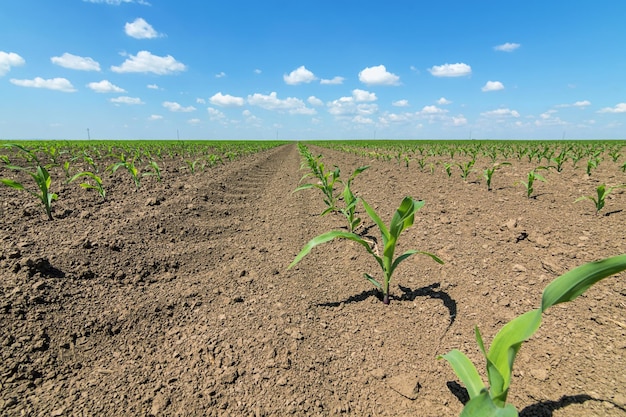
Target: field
point(174, 297)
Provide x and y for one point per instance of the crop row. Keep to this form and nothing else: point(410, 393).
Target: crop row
point(37, 167)
point(485, 400)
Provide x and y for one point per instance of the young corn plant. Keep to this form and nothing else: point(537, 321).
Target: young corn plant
point(466, 168)
point(129, 165)
point(491, 401)
point(153, 171)
point(41, 177)
point(602, 191)
point(488, 173)
point(401, 220)
point(97, 183)
point(351, 201)
point(530, 181)
point(326, 183)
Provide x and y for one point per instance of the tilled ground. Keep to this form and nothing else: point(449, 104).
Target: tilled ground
point(176, 299)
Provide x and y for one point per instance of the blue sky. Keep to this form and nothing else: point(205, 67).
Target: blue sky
point(155, 69)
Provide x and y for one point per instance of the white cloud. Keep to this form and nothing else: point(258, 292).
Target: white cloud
point(347, 106)
point(314, 101)
point(193, 121)
point(272, 102)
point(459, 120)
point(451, 70)
point(58, 84)
point(299, 76)
point(105, 86)
point(118, 2)
point(333, 81)
point(400, 103)
point(581, 104)
point(75, 62)
point(429, 110)
point(144, 61)
point(362, 95)
point(153, 87)
point(220, 75)
point(200, 101)
point(501, 113)
point(175, 107)
point(493, 86)
point(378, 76)
point(619, 108)
point(140, 29)
point(226, 100)
point(126, 100)
point(155, 117)
point(215, 114)
point(257, 71)
point(443, 101)
point(8, 60)
point(362, 120)
point(507, 47)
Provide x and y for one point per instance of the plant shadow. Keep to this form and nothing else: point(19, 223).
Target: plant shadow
point(546, 408)
point(431, 292)
point(354, 298)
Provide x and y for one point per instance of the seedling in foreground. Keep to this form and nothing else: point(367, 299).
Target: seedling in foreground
point(41, 177)
point(488, 173)
point(491, 401)
point(532, 176)
point(401, 220)
point(97, 181)
point(603, 191)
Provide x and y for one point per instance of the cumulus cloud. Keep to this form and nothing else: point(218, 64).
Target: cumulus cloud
point(362, 120)
point(493, 86)
point(580, 104)
point(215, 115)
point(194, 121)
point(140, 29)
point(126, 100)
point(155, 117)
point(226, 100)
point(507, 47)
point(443, 101)
point(459, 120)
point(299, 76)
point(144, 61)
point(347, 106)
point(9, 60)
point(75, 62)
point(378, 76)
point(314, 101)
point(58, 84)
point(175, 107)
point(105, 86)
point(362, 95)
point(272, 102)
point(451, 70)
point(501, 113)
point(153, 87)
point(333, 81)
point(618, 108)
point(429, 110)
point(400, 103)
point(220, 75)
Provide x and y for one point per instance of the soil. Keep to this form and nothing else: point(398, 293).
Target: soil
point(175, 299)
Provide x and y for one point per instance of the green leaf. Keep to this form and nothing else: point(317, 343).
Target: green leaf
point(483, 406)
point(505, 346)
point(12, 184)
point(383, 228)
point(575, 282)
point(373, 281)
point(465, 370)
point(326, 237)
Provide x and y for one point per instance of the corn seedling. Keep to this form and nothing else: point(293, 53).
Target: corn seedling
point(592, 164)
point(602, 191)
point(350, 201)
point(41, 177)
point(532, 177)
point(488, 173)
point(326, 180)
point(129, 165)
point(156, 171)
point(402, 219)
point(466, 168)
point(491, 401)
point(448, 168)
point(96, 186)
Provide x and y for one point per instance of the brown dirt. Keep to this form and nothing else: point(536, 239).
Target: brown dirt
point(176, 300)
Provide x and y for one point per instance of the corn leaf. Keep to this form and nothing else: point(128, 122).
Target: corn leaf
point(11, 183)
point(328, 236)
point(575, 282)
point(465, 370)
point(483, 406)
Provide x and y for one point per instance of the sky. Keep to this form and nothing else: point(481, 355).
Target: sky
point(295, 70)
